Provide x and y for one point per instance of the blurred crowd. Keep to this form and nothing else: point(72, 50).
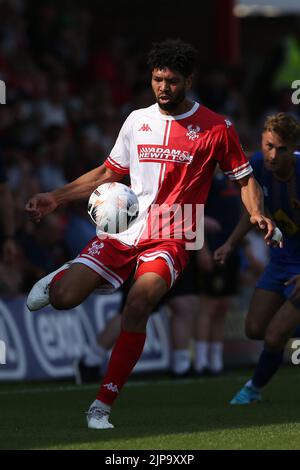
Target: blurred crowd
point(69, 90)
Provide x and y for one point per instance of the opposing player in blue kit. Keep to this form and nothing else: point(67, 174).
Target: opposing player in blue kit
point(274, 310)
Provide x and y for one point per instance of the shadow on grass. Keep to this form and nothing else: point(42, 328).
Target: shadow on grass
point(56, 419)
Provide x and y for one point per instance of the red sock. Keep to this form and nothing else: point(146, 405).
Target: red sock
point(58, 276)
point(125, 354)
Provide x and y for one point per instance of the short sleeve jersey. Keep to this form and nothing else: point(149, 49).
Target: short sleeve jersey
point(172, 159)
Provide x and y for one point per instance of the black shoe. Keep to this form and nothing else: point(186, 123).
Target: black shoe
point(84, 373)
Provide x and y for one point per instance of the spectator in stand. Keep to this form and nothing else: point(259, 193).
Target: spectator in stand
point(9, 277)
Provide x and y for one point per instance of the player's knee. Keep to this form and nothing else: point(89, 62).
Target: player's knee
point(253, 330)
point(274, 340)
point(136, 312)
point(138, 306)
point(61, 298)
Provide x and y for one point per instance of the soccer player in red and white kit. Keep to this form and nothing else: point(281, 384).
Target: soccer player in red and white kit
point(170, 150)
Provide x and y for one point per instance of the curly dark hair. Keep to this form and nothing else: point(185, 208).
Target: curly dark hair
point(174, 54)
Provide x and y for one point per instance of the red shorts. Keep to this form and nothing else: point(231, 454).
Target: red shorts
point(114, 261)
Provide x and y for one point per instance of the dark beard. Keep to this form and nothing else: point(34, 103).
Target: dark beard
point(172, 105)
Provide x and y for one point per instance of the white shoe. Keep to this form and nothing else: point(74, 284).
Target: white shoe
point(98, 418)
point(38, 297)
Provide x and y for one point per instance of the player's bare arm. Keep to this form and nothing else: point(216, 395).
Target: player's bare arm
point(43, 204)
point(82, 187)
point(252, 197)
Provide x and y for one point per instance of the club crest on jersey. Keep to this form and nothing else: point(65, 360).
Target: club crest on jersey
point(95, 248)
point(193, 132)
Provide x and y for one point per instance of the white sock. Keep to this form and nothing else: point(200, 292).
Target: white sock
point(216, 356)
point(95, 356)
point(250, 384)
point(201, 359)
point(181, 361)
point(100, 404)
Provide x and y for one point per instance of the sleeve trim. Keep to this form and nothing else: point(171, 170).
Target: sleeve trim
point(113, 165)
point(240, 174)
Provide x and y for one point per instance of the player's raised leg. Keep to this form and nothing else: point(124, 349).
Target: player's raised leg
point(146, 292)
point(70, 290)
point(104, 264)
point(64, 288)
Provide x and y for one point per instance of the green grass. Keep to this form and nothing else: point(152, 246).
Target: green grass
point(154, 414)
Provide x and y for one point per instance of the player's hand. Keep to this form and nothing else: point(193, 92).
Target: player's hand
point(295, 295)
point(273, 236)
point(40, 205)
point(276, 239)
point(222, 253)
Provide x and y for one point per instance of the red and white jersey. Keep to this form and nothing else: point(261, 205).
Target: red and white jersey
point(171, 161)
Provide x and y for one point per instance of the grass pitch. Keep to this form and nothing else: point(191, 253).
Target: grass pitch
point(154, 414)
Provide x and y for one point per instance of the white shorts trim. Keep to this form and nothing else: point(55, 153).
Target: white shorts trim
point(160, 254)
point(91, 263)
point(102, 266)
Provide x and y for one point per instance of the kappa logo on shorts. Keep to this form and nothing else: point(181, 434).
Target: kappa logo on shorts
point(95, 248)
